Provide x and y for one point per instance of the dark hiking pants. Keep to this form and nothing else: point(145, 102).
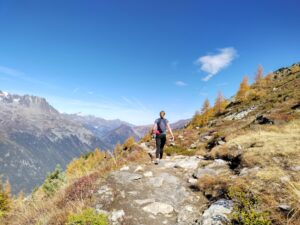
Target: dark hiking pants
point(160, 143)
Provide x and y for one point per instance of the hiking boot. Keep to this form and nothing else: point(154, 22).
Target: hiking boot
point(156, 161)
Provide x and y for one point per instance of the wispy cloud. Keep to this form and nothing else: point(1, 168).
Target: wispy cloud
point(20, 75)
point(10, 72)
point(214, 63)
point(180, 83)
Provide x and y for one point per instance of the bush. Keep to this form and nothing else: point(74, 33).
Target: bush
point(81, 189)
point(5, 199)
point(85, 164)
point(129, 143)
point(246, 210)
point(54, 181)
point(87, 217)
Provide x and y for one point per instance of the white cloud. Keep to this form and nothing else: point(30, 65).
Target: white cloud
point(214, 63)
point(180, 83)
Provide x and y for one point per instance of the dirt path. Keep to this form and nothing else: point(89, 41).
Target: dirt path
point(149, 194)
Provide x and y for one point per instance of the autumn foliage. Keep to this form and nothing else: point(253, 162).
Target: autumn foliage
point(244, 91)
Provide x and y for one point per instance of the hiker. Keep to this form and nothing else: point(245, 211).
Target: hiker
point(160, 131)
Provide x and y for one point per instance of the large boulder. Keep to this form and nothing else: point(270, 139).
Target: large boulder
point(217, 213)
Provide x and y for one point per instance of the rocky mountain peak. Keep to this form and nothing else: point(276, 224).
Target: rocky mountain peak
point(27, 101)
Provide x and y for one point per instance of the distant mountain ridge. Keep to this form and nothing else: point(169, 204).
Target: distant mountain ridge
point(35, 137)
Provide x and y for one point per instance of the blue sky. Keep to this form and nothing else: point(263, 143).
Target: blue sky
point(130, 59)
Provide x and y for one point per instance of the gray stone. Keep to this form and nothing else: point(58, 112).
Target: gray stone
point(201, 172)
point(295, 168)
point(117, 216)
point(138, 169)
point(144, 201)
point(217, 213)
point(193, 146)
point(207, 137)
point(124, 168)
point(188, 215)
point(246, 171)
point(148, 174)
point(188, 163)
point(192, 181)
point(125, 177)
point(158, 207)
point(156, 181)
point(221, 142)
point(285, 207)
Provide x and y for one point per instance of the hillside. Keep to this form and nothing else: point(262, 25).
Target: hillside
point(236, 162)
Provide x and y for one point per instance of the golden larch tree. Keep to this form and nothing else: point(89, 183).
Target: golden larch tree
point(206, 106)
point(220, 103)
point(259, 75)
point(243, 92)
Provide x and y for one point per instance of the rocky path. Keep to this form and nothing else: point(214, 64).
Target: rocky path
point(151, 194)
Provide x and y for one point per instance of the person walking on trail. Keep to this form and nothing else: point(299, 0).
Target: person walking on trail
point(160, 127)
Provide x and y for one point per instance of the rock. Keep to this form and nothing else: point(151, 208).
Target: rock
point(180, 137)
point(207, 137)
point(188, 163)
point(158, 207)
point(156, 181)
point(221, 142)
point(148, 174)
point(285, 179)
point(201, 172)
point(188, 215)
point(117, 216)
point(263, 120)
point(246, 171)
point(295, 168)
point(123, 195)
point(124, 177)
point(217, 213)
point(295, 107)
point(104, 190)
point(101, 211)
point(138, 169)
point(124, 168)
point(193, 146)
point(144, 201)
point(285, 207)
point(192, 181)
point(240, 115)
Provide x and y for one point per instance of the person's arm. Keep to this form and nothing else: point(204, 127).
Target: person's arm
point(170, 130)
point(154, 128)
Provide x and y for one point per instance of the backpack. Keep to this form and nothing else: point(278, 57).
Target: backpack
point(162, 125)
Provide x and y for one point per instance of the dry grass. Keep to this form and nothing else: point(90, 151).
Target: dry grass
point(74, 196)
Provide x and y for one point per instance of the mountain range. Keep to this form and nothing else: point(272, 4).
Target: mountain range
point(35, 137)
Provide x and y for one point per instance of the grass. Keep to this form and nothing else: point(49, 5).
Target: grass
point(177, 150)
point(87, 217)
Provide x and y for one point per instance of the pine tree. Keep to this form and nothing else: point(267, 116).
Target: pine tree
point(243, 92)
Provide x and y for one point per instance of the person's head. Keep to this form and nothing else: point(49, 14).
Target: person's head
point(162, 114)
